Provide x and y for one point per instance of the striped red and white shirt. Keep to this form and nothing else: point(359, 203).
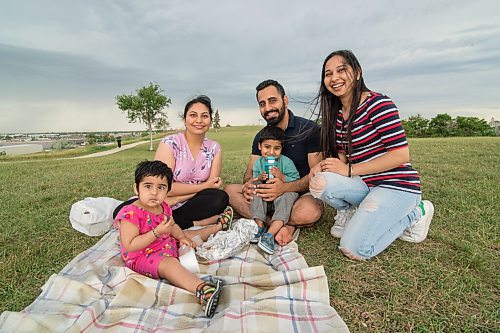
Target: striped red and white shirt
point(376, 130)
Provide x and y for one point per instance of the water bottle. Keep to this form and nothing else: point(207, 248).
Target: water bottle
point(270, 160)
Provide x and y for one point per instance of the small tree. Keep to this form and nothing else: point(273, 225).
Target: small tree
point(416, 126)
point(162, 125)
point(442, 125)
point(146, 107)
point(91, 138)
point(473, 126)
point(62, 144)
point(216, 122)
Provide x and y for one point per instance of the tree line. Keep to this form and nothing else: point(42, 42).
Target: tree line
point(444, 125)
point(148, 104)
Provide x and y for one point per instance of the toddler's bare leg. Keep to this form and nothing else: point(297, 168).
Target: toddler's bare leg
point(204, 233)
point(172, 270)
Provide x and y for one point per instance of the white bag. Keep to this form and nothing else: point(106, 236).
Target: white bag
point(93, 216)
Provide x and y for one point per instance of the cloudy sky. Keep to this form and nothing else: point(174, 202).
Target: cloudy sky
point(63, 62)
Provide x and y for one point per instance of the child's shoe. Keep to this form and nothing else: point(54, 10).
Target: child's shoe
point(208, 294)
point(256, 237)
point(418, 231)
point(266, 243)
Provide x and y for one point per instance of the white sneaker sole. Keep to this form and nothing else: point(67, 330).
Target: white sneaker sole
point(337, 231)
point(417, 234)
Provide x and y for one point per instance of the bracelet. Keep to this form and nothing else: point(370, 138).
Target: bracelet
point(154, 233)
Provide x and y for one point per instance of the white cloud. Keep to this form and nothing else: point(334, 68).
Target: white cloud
point(68, 60)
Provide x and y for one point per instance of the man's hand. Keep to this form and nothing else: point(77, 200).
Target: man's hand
point(248, 189)
point(273, 188)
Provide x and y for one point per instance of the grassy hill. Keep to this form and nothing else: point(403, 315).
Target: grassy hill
point(448, 283)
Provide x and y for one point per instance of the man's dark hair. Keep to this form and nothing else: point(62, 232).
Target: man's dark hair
point(271, 133)
point(267, 83)
point(153, 169)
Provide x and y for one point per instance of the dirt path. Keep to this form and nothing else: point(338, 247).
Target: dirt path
point(109, 152)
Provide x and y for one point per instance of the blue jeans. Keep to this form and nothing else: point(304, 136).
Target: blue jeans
point(381, 217)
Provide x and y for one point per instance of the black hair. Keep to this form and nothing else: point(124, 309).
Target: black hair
point(154, 169)
point(271, 133)
point(331, 104)
point(267, 83)
point(205, 100)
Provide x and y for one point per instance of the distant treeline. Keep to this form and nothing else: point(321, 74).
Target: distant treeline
point(444, 125)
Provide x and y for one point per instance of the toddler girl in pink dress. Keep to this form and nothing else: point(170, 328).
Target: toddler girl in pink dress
point(149, 236)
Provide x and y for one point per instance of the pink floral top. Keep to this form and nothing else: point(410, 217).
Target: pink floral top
point(191, 169)
point(145, 222)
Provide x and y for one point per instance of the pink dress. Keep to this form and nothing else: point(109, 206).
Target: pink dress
point(191, 169)
point(146, 260)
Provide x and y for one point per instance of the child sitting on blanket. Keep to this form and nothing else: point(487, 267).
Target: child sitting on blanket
point(270, 145)
point(149, 237)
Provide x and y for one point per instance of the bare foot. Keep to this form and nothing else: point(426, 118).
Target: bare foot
point(285, 235)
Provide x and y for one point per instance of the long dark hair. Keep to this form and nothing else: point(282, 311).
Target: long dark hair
point(329, 105)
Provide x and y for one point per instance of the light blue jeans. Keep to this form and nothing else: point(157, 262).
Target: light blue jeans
point(381, 217)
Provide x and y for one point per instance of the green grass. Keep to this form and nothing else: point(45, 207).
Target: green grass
point(449, 283)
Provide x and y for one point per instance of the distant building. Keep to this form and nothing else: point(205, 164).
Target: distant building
point(496, 125)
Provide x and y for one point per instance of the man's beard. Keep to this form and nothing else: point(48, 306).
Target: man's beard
point(275, 121)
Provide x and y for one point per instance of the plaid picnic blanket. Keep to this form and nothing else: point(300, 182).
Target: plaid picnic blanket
point(95, 292)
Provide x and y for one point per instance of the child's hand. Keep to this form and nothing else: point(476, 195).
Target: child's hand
point(165, 227)
point(278, 174)
point(186, 241)
point(263, 176)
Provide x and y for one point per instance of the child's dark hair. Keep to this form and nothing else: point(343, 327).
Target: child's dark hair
point(271, 133)
point(154, 169)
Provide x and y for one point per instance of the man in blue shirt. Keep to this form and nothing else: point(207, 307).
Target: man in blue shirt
point(301, 145)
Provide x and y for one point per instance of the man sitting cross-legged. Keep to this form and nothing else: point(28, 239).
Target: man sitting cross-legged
point(301, 145)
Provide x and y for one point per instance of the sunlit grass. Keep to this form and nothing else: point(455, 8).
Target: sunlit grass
point(449, 283)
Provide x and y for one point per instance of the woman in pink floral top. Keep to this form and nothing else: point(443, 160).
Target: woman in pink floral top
point(196, 162)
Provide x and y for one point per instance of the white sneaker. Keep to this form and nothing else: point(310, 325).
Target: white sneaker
point(341, 219)
point(418, 231)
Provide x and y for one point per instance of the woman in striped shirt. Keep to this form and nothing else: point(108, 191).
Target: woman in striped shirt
point(366, 174)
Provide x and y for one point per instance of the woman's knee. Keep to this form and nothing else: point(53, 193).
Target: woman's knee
point(355, 251)
point(220, 199)
point(317, 185)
